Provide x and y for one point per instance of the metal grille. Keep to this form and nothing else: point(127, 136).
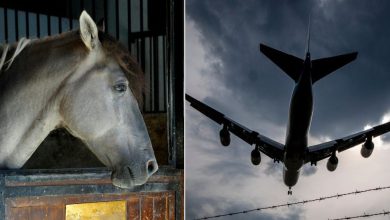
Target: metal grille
point(140, 25)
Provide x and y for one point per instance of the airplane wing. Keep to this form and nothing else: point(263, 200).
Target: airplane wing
point(325, 150)
point(266, 145)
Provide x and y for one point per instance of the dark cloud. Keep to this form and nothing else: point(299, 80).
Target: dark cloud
point(344, 101)
point(386, 138)
point(221, 206)
point(231, 170)
point(273, 169)
point(308, 170)
point(256, 93)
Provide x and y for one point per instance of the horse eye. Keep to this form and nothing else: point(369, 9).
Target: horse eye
point(120, 87)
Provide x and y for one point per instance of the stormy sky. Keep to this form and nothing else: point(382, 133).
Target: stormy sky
point(225, 70)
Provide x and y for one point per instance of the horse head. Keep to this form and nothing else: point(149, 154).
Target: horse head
point(98, 107)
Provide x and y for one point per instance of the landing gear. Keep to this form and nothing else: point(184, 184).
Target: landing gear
point(289, 191)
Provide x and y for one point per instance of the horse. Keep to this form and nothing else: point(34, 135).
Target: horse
point(84, 81)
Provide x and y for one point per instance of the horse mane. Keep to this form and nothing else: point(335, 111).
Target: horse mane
point(111, 47)
point(21, 44)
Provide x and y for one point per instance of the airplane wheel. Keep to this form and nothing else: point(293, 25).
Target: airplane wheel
point(289, 191)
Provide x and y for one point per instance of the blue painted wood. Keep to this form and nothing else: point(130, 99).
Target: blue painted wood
point(2, 199)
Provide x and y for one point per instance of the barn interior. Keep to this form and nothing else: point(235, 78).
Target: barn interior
point(146, 29)
point(63, 172)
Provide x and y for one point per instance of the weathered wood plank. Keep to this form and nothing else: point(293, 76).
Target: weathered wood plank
point(156, 206)
point(171, 207)
point(160, 211)
point(71, 199)
point(18, 213)
point(23, 197)
point(133, 208)
point(56, 212)
point(146, 208)
point(39, 213)
point(95, 177)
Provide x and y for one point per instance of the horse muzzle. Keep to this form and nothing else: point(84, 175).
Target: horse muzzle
point(128, 176)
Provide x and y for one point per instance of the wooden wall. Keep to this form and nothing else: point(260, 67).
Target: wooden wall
point(44, 194)
point(157, 206)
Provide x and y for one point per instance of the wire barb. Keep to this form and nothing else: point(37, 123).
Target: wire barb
point(364, 215)
point(289, 204)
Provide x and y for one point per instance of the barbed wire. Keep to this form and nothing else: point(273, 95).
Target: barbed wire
point(363, 215)
point(295, 203)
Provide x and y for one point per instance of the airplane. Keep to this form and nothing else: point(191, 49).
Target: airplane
point(296, 152)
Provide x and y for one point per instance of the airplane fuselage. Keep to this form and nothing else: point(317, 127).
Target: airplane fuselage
point(300, 115)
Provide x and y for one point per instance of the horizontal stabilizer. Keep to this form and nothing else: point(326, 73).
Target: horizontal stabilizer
point(324, 66)
point(288, 63)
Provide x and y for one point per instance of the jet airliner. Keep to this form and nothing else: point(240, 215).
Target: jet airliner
point(296, 152)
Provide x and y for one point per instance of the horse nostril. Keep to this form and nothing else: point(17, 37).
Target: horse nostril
point(151, 166)
point(130, 172)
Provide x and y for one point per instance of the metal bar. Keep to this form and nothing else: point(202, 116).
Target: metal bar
point(178, 78)
point(151, 81)
point(60, 25)
point(142, 39)
point(142, 55)
point(94, 10)
point(138, 49)
point(5, 24)
point(105, 15)
point(141, 6)
point(38, 26)
point(16, 25)
point(129, 24)
point(143, 34)
point(165, 73)
point(117, 19)
point(81, 5)
point(70, 15)
point(27, 25)
point(48, 25)
point(156, 74)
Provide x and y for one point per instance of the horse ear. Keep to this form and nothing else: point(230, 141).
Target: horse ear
point(88, 31)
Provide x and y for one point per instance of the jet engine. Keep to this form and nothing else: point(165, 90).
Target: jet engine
point(367, 148)
point(332, 163)
point(224, 136)
point(255, 157)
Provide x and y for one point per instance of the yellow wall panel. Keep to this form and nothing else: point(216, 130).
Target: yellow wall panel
point(115, 210)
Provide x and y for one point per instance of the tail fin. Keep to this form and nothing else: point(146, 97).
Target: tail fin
point(324, 66)
point(308, 36)
point(293, 66)
point(288, 63)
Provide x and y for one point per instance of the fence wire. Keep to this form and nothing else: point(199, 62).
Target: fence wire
point(363, 215)
point(303, 202)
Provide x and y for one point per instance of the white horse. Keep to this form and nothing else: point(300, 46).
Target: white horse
point(82, 81)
